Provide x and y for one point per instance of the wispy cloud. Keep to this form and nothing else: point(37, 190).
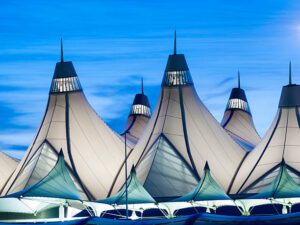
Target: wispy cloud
point(16, 137)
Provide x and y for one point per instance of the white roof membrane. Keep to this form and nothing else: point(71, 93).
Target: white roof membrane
point(189, 127)
point(93, 152)
point(281, 142)
point(238, 121)
point(7, 167)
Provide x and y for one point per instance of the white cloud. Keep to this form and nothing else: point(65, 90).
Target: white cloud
point(16, 137)
point(110, 107)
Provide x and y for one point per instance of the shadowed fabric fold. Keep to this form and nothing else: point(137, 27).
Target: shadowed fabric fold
point(207, 189)
point(237, 119)
point(283, 186)
point(280, 143)
point(57, 184)
point(137, 194)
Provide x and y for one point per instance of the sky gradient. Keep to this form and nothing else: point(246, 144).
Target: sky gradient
point(114, 43)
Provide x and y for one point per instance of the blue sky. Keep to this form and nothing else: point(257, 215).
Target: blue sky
point(114, 43)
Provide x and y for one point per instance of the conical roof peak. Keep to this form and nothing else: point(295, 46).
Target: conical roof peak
point(238, 99)
point(237, 119)
point(238, 92)
point(141, 99)
point(141, 105)
point(290, 94)
point(63, 68)
point(65, 77)
point(139, 115)
point(176, 62)
point(177, 71)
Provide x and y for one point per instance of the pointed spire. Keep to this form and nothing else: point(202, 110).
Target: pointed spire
point(175, 43)
point(142, 85)
point(61, 51)
point(132, 171)
point(290, 73)
point(239, 79)
point(61, 153)
point(206, 167)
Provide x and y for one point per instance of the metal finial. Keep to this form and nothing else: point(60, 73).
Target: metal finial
point(61, 51)
point(239, 79)
point(290, 73)
point(142, 83)
point(61, 153)
point(175, 43)
point(206, 167)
